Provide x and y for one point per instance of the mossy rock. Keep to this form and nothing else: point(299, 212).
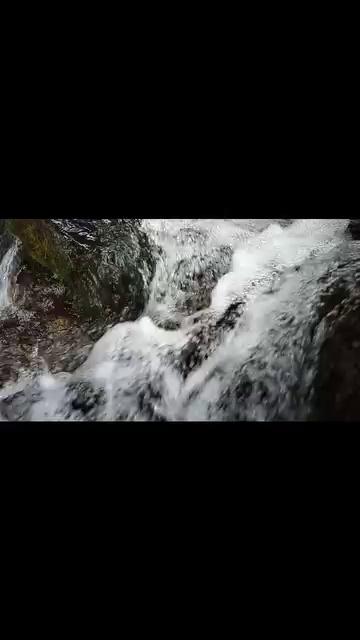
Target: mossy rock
point(43, 245)
point(104, 264)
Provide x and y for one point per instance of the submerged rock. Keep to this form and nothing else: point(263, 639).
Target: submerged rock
point(188, 285)
point(205, 333)
point(197, 276)
point(84, 401)
point(64, 400)
point(17, 407)
point(104, 264)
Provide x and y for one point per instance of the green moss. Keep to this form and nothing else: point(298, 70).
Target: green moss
point(103, 274)
point(42, 245)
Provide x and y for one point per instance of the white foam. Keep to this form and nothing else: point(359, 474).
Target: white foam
point(7, 267)
point(132, 356)
point(275, 248)
point(142, 336)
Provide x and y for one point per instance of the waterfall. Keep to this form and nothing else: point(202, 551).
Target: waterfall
point(7, 269)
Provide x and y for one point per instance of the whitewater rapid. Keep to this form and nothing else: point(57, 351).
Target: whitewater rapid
point(259, 366)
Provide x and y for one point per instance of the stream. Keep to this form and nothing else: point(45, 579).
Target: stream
point(231, 330)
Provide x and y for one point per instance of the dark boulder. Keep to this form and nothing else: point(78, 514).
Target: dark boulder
point(354, 228)
point(41, 328)
point(104, 264)
point(336, 393)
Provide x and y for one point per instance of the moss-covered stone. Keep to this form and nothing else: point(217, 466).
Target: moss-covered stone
point(43, 245)
point(103, 264)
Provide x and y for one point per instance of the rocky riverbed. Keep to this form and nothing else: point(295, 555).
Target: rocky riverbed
point(228, 319)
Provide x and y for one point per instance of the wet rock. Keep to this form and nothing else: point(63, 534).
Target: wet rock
point(32, 342)
point(188, 235)
point(40, 329)
point(18, 406)
point(85, 400)
point(146, 404)
point(337, 384)
point(79, 400)
point(205, 336)
point(169, 321)
point(104, 264)
point(354, 228)
point(197, 276)
point(185, 287)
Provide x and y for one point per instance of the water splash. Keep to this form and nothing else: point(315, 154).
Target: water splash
point(8, 268)
point(255, 363)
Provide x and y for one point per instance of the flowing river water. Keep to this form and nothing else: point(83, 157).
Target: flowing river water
point(231, 331)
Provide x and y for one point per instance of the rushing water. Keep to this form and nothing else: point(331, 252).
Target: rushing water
point(231, 331)
point(8, 267)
